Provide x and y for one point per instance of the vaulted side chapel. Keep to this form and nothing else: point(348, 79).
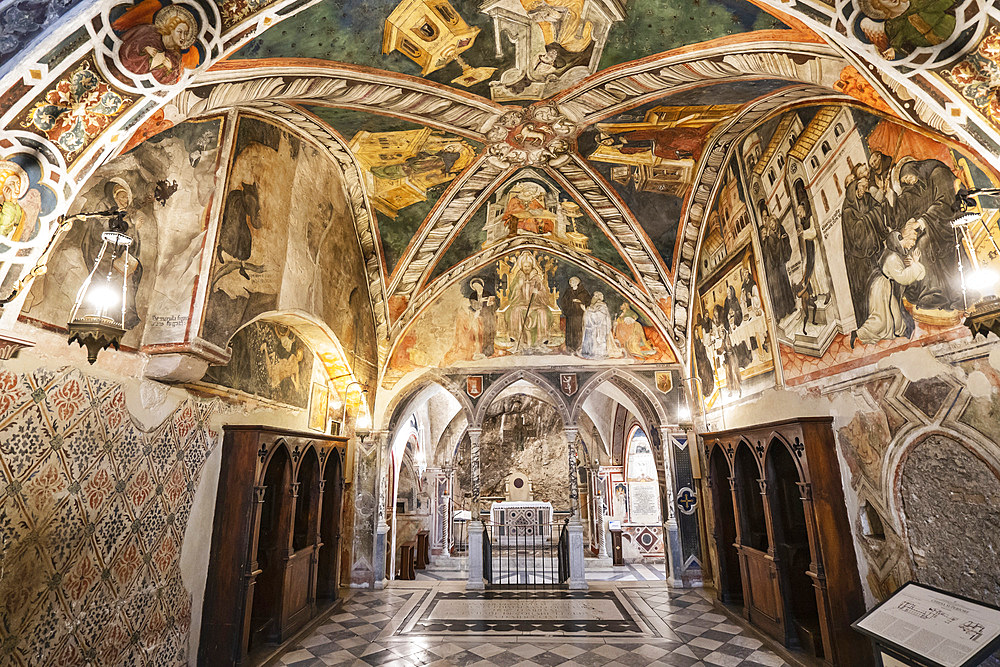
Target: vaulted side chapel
point(539, 332)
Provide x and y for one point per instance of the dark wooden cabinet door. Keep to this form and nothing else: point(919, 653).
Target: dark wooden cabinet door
point(762, 593)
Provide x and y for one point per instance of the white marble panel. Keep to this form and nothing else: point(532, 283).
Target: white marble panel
point(526, 610)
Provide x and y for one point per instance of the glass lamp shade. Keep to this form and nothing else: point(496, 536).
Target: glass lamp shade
point(97, 320)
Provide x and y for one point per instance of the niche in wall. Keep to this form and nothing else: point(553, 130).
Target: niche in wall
point(951, 506)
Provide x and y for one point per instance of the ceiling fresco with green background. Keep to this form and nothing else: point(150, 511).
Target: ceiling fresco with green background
point(406, 180)
point(649, 154)
point(572, 43)
point(530, 204)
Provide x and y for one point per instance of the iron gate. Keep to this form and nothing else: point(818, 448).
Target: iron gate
point(535, 556)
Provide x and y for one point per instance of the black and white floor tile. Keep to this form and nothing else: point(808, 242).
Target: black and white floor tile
point(406, 625)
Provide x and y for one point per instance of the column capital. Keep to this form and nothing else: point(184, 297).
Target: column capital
point(380, 437)
point(474, 433)
point(667, 431)
point(572, 432)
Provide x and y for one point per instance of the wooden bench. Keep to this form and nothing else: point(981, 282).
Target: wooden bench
point(405, 561)
point(423, 549)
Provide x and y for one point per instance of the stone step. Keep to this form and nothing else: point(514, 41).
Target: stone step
point(445, 563)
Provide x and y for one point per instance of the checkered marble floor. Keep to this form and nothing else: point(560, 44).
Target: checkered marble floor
point(682, 630)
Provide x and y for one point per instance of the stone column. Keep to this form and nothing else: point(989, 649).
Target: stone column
point(449, 509)
point(476, 527)
point(475, 558)
point(577, 576)
point(474, 435)
point(602, 540)
point(381, 549)
point(671, 533)
point(574, 486)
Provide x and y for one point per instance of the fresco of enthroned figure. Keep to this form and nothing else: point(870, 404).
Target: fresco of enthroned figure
point(400, 167)
point(528, 303)
point(529, 207)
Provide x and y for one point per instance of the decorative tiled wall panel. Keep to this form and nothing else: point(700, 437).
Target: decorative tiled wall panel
point(93, 511)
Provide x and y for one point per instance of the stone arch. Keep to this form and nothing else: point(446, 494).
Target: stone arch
point(451, 437)
point(407, 398)
point(654, 413)
point(321, 339)
point(494, 390)
point(899, 449)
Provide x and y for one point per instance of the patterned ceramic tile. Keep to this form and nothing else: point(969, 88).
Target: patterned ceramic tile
point(89, 521)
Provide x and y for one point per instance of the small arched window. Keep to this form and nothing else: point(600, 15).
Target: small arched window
point(836, 181)
point(781, 162)
point(770, 176)
point(838, 130)
point(825, 148)
point(814, 162)
point(445, 11)
point(409, 48)
point(826, 202)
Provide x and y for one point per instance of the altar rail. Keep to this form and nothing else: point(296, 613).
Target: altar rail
point(535, 558)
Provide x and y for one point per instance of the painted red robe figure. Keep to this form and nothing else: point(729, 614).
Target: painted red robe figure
point(161, 47)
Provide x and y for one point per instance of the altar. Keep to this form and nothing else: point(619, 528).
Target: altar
point(521, 519)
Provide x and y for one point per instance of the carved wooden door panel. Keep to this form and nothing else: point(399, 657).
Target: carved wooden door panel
point(763, 599)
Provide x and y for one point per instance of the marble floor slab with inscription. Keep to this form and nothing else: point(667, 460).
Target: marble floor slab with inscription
point(613, 623)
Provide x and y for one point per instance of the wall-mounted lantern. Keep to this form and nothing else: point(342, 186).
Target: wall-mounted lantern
point(97, 320)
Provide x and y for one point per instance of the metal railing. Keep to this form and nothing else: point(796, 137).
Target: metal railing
point(522, 556)
point(459, 538)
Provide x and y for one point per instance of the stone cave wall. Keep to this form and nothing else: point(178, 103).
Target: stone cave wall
point(524, 433)
point(949, 494)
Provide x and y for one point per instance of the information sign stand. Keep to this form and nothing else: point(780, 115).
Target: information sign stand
point(922, 626)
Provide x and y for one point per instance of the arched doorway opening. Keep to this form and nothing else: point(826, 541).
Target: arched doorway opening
point(272, 550)
point(331, 525)
point(753, 528)
point(307, 503)
point(730, 580)
point(791, 549)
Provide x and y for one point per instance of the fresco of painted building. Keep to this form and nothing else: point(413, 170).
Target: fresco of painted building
point(852, 214)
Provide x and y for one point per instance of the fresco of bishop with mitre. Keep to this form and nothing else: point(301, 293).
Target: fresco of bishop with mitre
point(526, 210)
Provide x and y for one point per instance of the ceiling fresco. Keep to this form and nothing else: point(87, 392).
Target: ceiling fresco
point(506, 50)
point(530, 205)
point(405, 168)
point(649, 154)
point(468, 132)
point(528, 306)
